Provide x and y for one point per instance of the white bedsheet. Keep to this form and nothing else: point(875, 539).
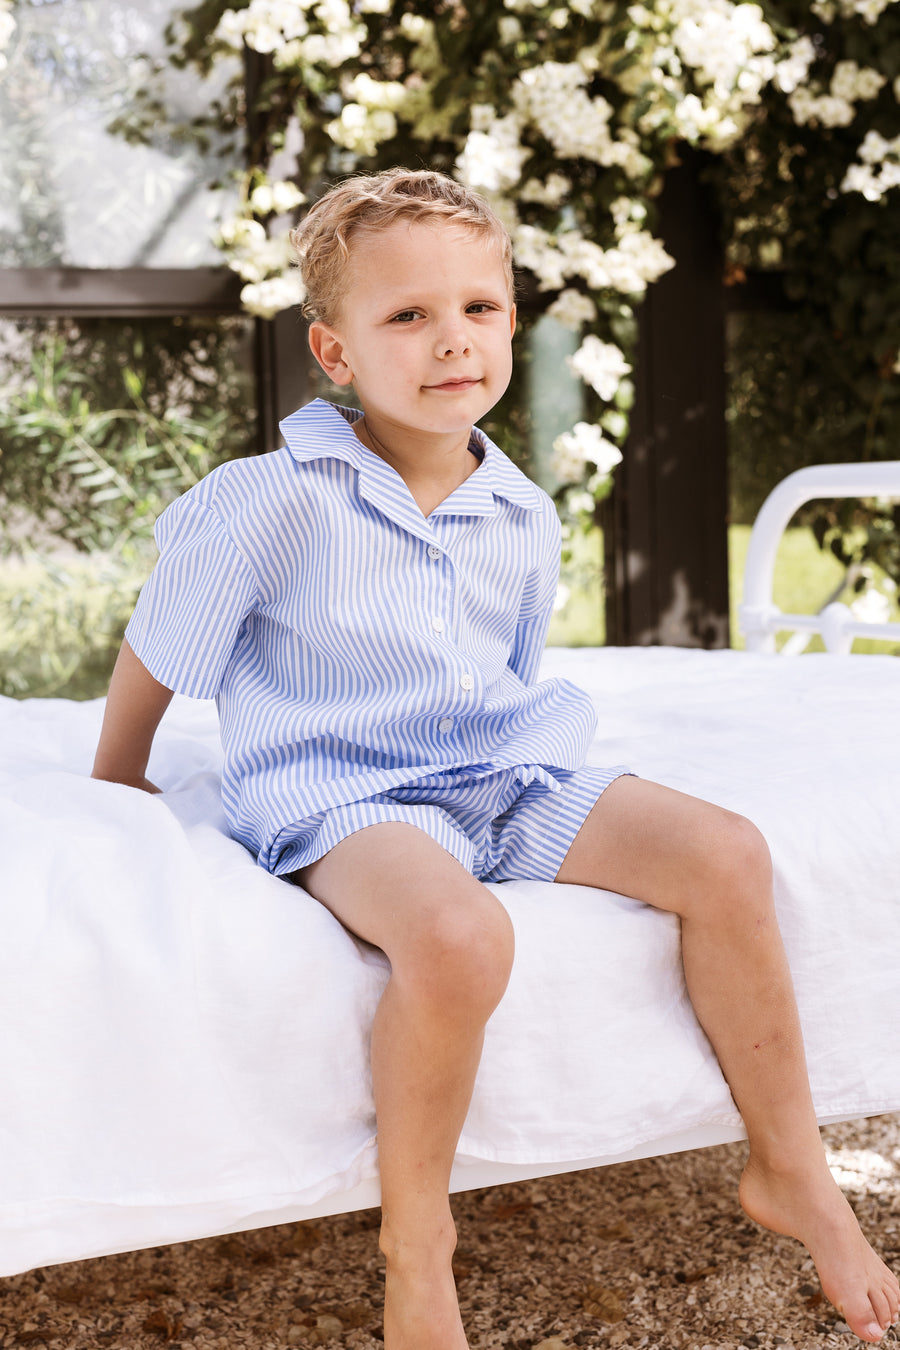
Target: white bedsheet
point(184, 1045)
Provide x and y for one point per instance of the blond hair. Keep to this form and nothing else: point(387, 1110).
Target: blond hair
point(374, 202)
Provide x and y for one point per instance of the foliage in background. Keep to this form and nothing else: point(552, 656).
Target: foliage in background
point(567, 115)
point(61, 622)
point(811, 192)
point(103, 422)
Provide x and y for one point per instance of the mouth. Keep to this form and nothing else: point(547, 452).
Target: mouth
point(455, 386)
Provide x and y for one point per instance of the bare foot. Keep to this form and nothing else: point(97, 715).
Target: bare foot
point(421, 1309)
point(815, 1211)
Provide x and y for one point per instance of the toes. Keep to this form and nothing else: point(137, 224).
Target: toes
point(873, 1318)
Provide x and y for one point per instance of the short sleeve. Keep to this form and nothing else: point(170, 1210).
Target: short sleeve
point(537, 604)
point(189, 613)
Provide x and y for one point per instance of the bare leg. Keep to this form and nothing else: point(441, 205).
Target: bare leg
point(450, 945)
point(712, 868)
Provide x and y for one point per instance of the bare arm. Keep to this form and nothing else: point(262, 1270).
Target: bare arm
point(134, 709)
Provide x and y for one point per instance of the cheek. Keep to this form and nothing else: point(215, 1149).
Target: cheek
point(505, 363)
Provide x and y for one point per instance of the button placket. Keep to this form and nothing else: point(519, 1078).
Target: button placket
point(438, 588)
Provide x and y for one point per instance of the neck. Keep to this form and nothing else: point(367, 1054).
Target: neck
point(431, 466)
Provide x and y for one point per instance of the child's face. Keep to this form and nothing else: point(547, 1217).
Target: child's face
point(424, 330)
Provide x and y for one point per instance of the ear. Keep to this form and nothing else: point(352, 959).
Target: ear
point(327, 347)
point(512, 320)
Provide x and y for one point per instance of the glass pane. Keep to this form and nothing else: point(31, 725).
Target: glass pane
point(74, 194)
point(102, 422)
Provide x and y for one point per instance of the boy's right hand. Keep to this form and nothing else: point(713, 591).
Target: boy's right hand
point(142, 784)
point(134, 706)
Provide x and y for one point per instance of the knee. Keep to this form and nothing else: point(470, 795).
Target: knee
point(740, 862)
point(460, 960)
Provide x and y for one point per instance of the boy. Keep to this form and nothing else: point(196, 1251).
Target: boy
point(368, 605)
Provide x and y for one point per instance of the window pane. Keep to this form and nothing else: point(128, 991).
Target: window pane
point(74, 194)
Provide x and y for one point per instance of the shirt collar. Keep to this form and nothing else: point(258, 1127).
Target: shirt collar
point(323, 430)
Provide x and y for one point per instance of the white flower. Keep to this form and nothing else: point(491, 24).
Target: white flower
point(537, 250)
point(868, 10)
point(720, 40)
point(551, 191)
point(482, 116)
point(639, 260)
point(601, 365)
point(509, 29)
point(879, 170)
point(871, 607)
point(492, 160)
point(264, 25)
point(552, 97)
point(628, 214)
point(794, 68)
point(573, 309)
point(771, 252)
point(860, 178)
point(388, 94)
point(851, 82)
point(241, 233)
point(615, 422)
point(275, 198)
point(834, 112)
point(231, 28)
point(584, 444)
point(826, 108)
point(269, 297)
point(416, 27)
point(362, 129)
point(333, 49)
point(874, 148)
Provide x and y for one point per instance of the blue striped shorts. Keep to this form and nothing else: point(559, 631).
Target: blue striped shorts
point(506, 825)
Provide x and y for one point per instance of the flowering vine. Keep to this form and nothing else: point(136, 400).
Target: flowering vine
point(566, 113)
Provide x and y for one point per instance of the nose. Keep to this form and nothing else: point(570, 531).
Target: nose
point(452, 340)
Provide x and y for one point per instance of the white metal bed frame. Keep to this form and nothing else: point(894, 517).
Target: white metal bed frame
point(760, 617)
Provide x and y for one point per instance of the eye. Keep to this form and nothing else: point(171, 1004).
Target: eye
point(482, 307)
point(406, 316)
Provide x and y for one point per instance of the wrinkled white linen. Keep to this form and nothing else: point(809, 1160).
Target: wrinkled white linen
point(184, 1044)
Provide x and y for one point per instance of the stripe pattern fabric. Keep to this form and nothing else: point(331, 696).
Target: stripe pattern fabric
point(353, 645)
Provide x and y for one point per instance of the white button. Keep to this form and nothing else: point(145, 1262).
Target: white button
point(437, 623)
point(467, 682)
point(445, 724)
point(434, 552)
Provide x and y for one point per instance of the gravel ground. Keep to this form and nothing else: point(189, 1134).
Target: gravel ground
point(653, 1254)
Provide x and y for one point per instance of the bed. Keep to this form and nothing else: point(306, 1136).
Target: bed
point(185, 1036)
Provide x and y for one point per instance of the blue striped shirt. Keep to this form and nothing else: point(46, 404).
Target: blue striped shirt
point(352, 644)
